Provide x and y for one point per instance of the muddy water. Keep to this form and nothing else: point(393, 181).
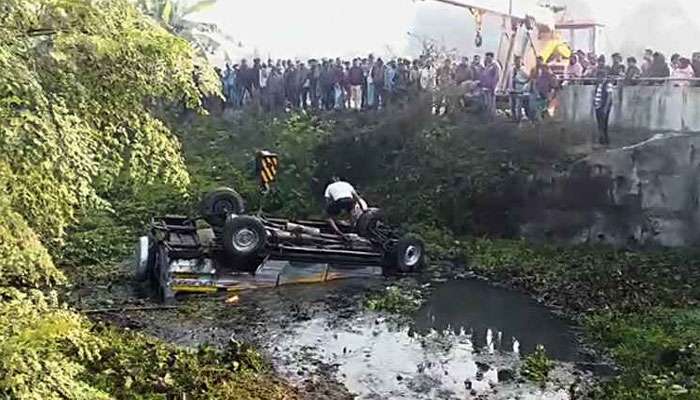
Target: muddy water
point(466, 341)
point(497, 319)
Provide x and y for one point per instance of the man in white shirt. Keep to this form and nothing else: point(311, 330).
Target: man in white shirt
point(427, 77)
point(341, 196)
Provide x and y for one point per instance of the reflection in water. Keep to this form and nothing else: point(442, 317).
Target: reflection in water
point(519, 322)
point(380, 360)
point(377, 360)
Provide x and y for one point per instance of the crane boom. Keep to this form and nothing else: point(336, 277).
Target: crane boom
point(470, 7)
point(520, 9)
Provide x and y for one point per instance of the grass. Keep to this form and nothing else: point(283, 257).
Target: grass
point(136, 366)
point(395, 299)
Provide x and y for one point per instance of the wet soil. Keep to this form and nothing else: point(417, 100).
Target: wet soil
point(466, 341)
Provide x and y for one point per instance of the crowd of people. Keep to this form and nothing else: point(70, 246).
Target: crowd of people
point(653, 65)
point(653, 70)
point(360, 84)
point(373, 83)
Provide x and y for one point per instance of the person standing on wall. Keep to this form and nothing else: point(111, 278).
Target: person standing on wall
point(602, 103)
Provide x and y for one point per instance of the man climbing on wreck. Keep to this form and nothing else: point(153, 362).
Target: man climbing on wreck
point(342, 199)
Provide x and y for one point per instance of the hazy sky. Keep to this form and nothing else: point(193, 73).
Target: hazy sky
point(329, 28)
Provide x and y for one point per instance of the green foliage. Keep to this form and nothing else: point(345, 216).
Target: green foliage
point(82, 81)
point(77, 105)
point(222, 153)
point(23, 259)
point(97, 241)
point(395, 299)
point(43, 349)
point(296, 141)
point(586, 278)
point(137, 366)
point(440, 243)
point(85, 162)
point(461, 174)
point(657, 349)
point(537, 366)
point(48, 352)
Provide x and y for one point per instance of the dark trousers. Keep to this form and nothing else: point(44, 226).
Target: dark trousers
point(602, 116)
point(292, 96)
point(328, 97)
point(247, 91)
point(364, 94)
point(313, 91)
point(379, 94)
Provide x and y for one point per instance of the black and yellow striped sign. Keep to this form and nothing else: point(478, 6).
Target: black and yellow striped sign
point(268, 164)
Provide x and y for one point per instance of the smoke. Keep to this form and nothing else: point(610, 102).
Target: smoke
point(633, 25)
point(630, 25)
point(664, 26)
point(453, 29)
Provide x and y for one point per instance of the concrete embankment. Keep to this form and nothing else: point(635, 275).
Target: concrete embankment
point(663, 107)
point(645, 193)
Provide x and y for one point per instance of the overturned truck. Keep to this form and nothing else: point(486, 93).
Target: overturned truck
point(224, 248)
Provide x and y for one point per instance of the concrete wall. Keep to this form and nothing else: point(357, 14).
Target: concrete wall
point(648, 193)
point(657, 108)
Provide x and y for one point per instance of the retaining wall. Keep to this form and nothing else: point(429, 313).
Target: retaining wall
point(657, 108)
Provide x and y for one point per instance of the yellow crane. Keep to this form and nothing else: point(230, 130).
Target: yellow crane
point(528, 29)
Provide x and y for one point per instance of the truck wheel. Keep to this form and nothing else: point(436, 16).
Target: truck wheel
point(219, 203)
point(410, 254)
point(368, 220)
point(243, 236)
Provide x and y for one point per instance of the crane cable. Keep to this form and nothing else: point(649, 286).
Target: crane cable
point(478, 15)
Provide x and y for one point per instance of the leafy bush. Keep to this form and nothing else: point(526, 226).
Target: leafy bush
point(49, 352)
point(395, 299)
point(138, 366)
point(83, 81)
point(592, 278)
point(221, 152)
point(458, 173)
point(77, 105)
point(537, 366)
point(24, 261)
point(43, 349)
point(440, 243)
point(657, 349)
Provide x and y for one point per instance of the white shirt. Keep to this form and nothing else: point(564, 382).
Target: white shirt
point(427, 78)
point(339, 190)
point(264, 75)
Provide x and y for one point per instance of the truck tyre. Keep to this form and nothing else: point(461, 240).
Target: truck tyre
point(409, 254)
point(368, 220)
point(243, 236)
point(219, 203)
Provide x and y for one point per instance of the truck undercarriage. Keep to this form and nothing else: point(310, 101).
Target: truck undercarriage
point(234, 251)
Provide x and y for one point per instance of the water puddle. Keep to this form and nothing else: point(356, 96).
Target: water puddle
point(512, 319)
point(466, 341)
